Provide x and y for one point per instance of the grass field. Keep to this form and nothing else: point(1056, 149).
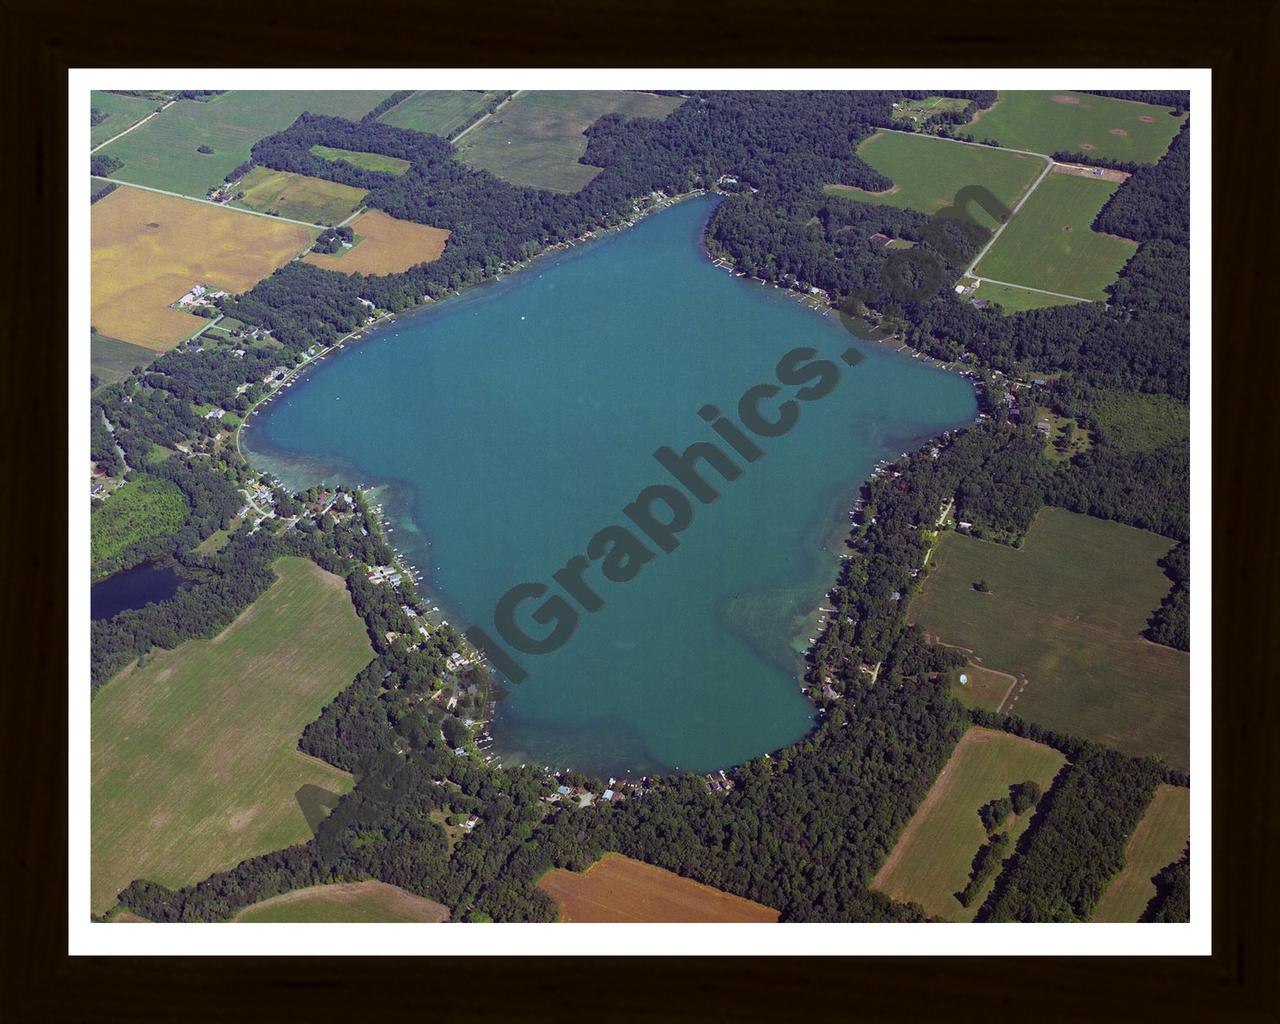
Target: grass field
point(927, 173)
point(1159, 839)
point(1064, 615)
point(437, 111)
point(118, 915)
point(369, 161)
point(919, 111)
point(144, 507)
point(1133, 422)
point(386, 246)
point(1051, 243)
point(298, 197)
point(112, 359)
point(931, 861)
point(121, 112)
point(148, 250)
point(985, 688)
point(194, 758)
point(1077, 122)
point(1066, 439)
point(1017, 300)
point(162, 152)
point(354, 903)
point(536, 139)
point(617, 888)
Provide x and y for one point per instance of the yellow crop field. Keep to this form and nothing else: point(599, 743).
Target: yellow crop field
point(385, 246)
point(148, 250)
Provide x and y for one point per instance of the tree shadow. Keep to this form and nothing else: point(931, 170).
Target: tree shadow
point(316, 802)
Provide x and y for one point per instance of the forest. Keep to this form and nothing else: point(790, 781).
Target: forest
point(806, 827)
point(1076, 843)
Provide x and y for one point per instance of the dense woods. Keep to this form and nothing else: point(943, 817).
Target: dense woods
point(1172, 901)
point(1076, 841)
point(1171, 622)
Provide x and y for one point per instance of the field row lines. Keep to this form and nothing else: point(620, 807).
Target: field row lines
point(210, 202)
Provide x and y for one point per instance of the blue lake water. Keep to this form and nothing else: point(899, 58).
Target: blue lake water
point(132, 588)
point(516, 421)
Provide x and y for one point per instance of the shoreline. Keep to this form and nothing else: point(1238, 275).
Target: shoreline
point(390, 504)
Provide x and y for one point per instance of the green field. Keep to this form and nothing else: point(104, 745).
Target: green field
point(195, 763)
point(121, 112)
point(927, 173)
point(536, 139)
point(1064, 614)
point(1133, 422)
point(917, 112)
point(162, 152)
point(1017, 300)
point(112, 359)
point(369, 161)
point(983, 687)
point(1051, 244)
point(932, 858)
point(1158, 841)
point(438, 111)
point(144, 507)
point(1077, 122)
point(297, 196)
point(354, 903)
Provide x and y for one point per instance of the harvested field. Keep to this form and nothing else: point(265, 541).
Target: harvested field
point(619, 889)
point(148, 250)
point(931, 861)
point(1159, 839)
point(386, 246)
point(194, 762)
point(297, 196)
point(353, 903)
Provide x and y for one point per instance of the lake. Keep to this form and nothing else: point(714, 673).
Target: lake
point(514, 422)
point(132, 588)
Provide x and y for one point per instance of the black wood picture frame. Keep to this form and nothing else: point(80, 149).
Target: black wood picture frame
point(1239, 981)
